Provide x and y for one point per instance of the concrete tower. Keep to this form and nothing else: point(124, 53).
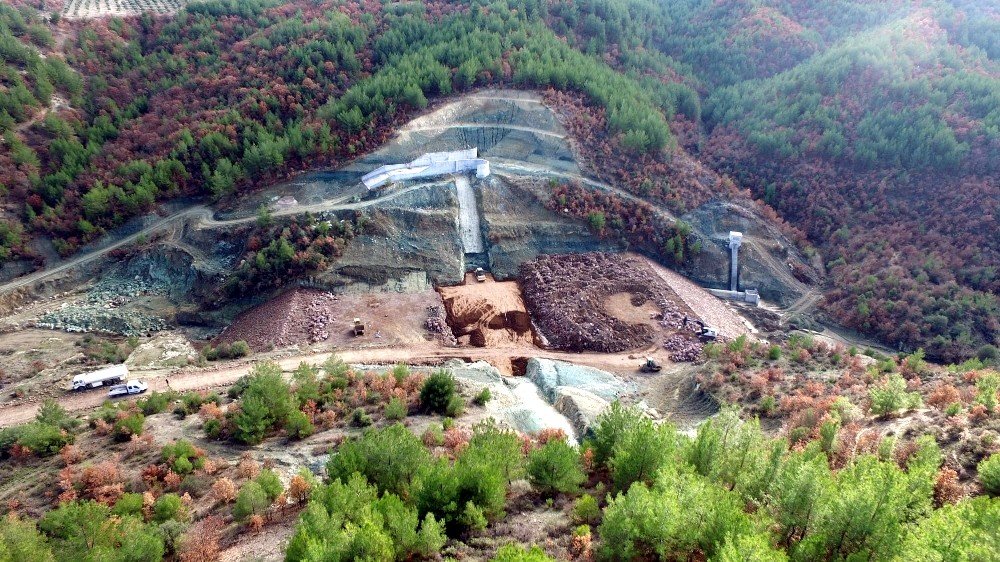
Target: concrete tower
point(735, 240)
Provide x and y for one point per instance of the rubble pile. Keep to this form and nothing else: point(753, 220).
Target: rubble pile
point(437, 324)
point(566, 295)
point(300, 315)
point(104, 308)
point(683, 347)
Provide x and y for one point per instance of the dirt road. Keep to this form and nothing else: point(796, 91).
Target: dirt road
point(198, 216)
point(221, 376)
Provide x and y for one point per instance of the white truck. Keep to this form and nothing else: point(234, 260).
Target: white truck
point(131, 387)
point(114, 374)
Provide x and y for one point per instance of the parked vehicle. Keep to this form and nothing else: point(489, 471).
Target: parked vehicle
point(131, 387)
point(359, 327)
point(480, 274)
point(114, 374)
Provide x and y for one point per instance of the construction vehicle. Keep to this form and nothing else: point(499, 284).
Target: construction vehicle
point(480, 274)
point(650, 366)
point(705, 332)
point(708, 333)
point(109, 375)
point(359, 327)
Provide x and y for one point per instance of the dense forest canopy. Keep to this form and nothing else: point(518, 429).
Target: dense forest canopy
point(873, 127)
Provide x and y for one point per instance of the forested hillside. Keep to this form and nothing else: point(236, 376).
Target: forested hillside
point(874, 128)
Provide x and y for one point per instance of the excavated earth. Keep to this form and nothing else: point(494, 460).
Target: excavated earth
point(487, 314)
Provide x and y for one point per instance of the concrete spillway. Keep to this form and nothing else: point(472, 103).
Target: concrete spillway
point(468, 217)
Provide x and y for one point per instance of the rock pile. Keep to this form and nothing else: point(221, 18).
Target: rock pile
point(87, 317)
point(683, 347)
point(566, 294)
point(437, 324)
point(298, 316)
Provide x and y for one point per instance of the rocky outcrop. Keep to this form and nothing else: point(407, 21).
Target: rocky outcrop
point(549, 375)
point(580, 407)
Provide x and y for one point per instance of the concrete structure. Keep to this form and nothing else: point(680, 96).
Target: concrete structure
point(735, 241)
point(468, 217)
point(749, 296)
point(429, 165)
point(734, 294)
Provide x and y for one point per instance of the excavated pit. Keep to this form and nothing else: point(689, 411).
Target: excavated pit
point(487, 314)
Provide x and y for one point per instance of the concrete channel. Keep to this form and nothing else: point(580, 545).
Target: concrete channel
point(468, 217)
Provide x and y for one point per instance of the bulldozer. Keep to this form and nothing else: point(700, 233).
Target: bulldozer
point(359, 327)
point(708, 333)
point(650, 366)
point(705, 333)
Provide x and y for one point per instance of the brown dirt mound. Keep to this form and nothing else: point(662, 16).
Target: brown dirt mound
point(487, 314)
point(298, 316)
point(308, 316)
point(599, 302)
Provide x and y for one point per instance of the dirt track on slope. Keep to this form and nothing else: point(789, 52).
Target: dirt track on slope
point(430, 353)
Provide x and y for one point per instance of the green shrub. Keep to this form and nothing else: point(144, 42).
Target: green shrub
point(192, 401)
point(768, 404)
point(389, 458)
point(953, 409)
point(891, 396)
point(251, 422)
point(664, 518)
point(517, 553)
point(51, 413)
point(169, 507)
point(270, 483)
point(774, 353)
point(21, 541)
point(456, 407)
point(213, 428)
point(400, 372)
point(349, 521)
point(989, 474)
point(987, 386)
point(395, 410)
point(155, 403)
point(239, 348)
point(128, 504)
point(360, 418)
point(182, 456)
point(586, 510)
point(298, 425)
point(128, 426)
point(473, 490)
point(555, 468)
point(483, 397)
point(610, 429)
point(252, 500)
point(438, 392)
point(42, 439)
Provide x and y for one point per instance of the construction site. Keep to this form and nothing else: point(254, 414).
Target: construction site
point(458, 258)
